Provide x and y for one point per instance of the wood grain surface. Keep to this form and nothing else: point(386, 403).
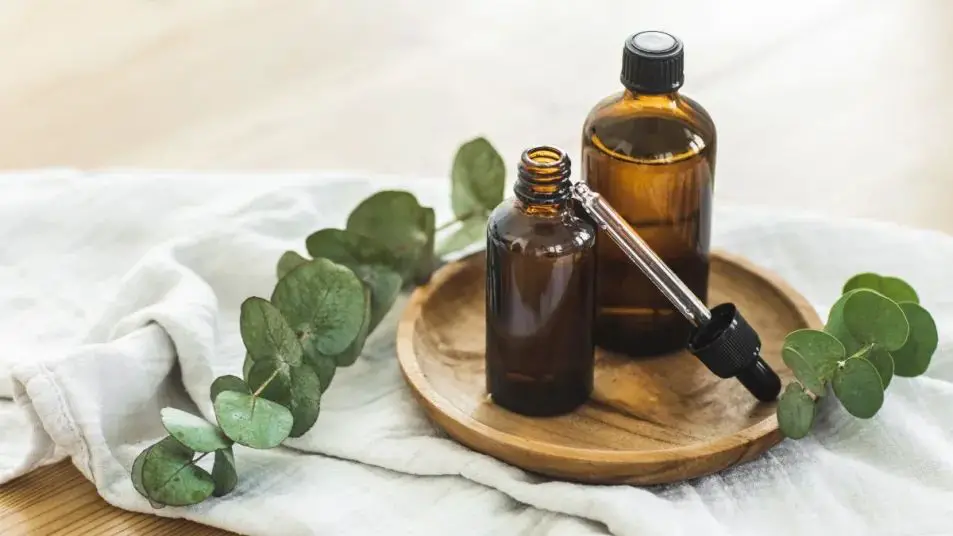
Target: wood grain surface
point(649, 421)
point(58, 501)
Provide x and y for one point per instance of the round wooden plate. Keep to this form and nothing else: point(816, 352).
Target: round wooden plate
point(649, 421)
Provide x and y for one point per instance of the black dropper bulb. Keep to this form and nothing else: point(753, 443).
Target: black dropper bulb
point(722, 339)
point(730, 347)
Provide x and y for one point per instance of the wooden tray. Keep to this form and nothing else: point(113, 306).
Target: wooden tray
point(649, 421)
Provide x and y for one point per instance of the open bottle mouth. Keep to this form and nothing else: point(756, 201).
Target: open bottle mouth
point(543, 175)
point(544, 163)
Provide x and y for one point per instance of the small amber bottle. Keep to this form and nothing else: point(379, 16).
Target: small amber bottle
point(540, 294)
point(650, 152)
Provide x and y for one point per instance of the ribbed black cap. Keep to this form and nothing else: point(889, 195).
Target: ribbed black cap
point(653, 62)
point(731, 348)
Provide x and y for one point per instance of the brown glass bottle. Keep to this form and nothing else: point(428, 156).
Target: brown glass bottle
point(651, 153)
point(540, 293)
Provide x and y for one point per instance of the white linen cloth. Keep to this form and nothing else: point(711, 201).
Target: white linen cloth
point(90, 260)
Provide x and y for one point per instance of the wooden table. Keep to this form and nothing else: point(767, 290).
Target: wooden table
point(837, 107)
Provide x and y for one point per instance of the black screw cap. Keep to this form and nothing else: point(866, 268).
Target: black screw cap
point(652, 63)
point(731, 348)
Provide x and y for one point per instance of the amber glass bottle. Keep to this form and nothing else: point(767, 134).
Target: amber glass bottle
point(651, 153)
point(540, 295)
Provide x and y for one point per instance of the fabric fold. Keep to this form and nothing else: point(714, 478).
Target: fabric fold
point(373, 462)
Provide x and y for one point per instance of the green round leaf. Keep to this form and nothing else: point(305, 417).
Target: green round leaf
point(266, 334)
point(427, 259)
point(816, 354)
point(838, 328)
point(803, 370)
point(352, 249)
point(194, 432)
point(169, 476)
point(246, 367)
point(859, 388)
point(913, 358)
point(870, 317)
point(796, 410)
point(254, 422)
point(371, 262)
point(223, 472)
point(384, 285)
point(883, 362)
point(396, 220)
point(477, 178)
point(228, 383)
point(323, 364)
point(137, 473)
point(471, 230)
point(288, 261)
point(894, 288)
point(323, 303)
point(296, 388)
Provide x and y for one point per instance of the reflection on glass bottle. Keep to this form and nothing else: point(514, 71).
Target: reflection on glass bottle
point(650, 152)
point(540, 295)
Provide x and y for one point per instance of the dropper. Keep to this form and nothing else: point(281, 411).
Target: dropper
point(722, 339)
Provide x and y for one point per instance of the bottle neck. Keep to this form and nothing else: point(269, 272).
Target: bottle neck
point(542, 185)
point(654, 100)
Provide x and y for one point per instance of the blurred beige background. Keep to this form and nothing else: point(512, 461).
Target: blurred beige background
point(833, 106)
point(839, 107)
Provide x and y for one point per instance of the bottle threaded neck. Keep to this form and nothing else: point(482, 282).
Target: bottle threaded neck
point(543, 176)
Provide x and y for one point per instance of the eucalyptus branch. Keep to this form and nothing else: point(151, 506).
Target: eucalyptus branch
point(876, 330)
point(334, 299)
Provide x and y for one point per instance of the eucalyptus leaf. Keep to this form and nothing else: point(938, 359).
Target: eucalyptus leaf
point(396, 220)
point(288, 261)
point(323, 364)
point(370, 261)
point(870, 317)
point(803, 370)
point(326, 366)
point(858, 387)
point(296, 388)
point(384, 285)
point(812, 355)
point(251, 421)
point(913, 358)
point(136, 473)
point(223, 472)
point(194, 432)
point(471, 230)
point(894, 288)
point(169, 476)
point(477, 178)
point(838, 328)
point(228, 383)
point(796, 410)
point(883, 362)
point(323, 302)
point(427, 259)
point(246, 367)
point(266, 333)
point(352, 249)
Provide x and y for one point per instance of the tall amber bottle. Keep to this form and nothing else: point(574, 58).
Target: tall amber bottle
point(650, 152)
point(540, 295)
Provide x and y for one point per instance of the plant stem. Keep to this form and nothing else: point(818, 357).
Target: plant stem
point(262, 386)
point(864, 350)
point(444, 226)
point(458, 219)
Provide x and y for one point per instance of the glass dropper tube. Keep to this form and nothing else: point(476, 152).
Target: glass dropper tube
point(722, 339)
point(642, 255)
